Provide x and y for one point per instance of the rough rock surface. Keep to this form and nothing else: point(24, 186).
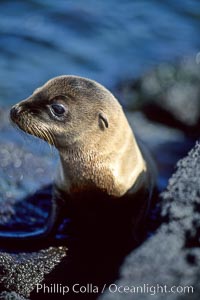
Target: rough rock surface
point(168, 94)
point(22, 271)
point(11, 296)
point(171, 257)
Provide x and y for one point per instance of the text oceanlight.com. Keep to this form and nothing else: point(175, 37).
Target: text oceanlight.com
point(113, 288)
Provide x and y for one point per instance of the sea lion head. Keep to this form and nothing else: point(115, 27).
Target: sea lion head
point(66, 111)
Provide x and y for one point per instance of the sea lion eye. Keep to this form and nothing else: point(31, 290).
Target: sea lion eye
point(58, 109)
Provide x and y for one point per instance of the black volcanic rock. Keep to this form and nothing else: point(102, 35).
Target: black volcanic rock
point(20, 272)
point(168, 94)
point(11, 296)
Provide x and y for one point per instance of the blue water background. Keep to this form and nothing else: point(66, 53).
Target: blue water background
point(108, 41)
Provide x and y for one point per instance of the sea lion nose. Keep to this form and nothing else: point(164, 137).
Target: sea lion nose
point(14, 112)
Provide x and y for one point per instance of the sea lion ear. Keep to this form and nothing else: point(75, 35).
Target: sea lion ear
point(103, 121)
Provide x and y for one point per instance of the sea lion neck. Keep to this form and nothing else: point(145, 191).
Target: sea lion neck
point(86, 168)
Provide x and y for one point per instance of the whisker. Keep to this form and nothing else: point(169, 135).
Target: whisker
point(26, 124)
point(51, 140)
point(45, 134)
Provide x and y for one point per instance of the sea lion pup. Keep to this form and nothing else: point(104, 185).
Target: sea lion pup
point(103, 173)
